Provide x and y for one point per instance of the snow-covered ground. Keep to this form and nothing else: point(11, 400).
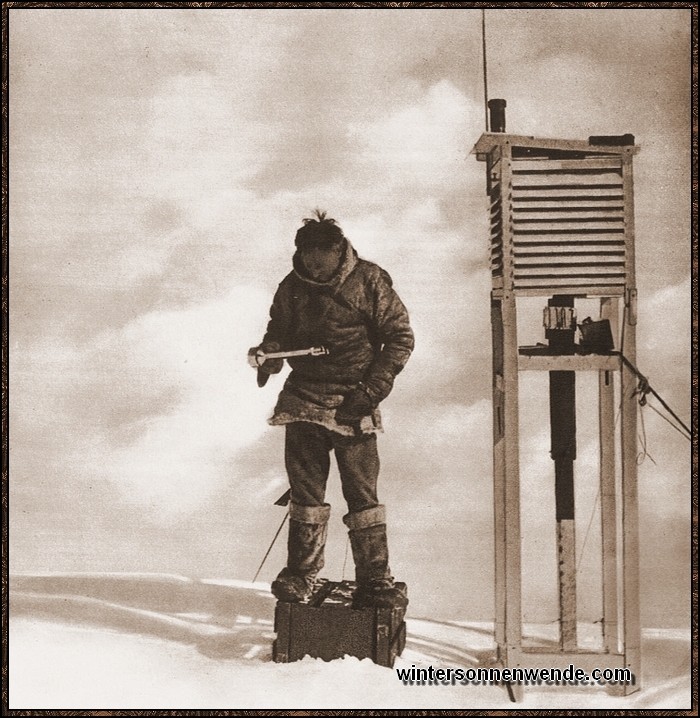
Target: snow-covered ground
point(145, 641)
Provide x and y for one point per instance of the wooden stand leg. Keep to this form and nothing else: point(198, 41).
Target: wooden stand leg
point(499, 478)
point(630, 512)
point(608, 510)
point(512, 477)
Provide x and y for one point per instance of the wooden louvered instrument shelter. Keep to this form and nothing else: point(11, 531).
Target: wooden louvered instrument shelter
point(562, 227)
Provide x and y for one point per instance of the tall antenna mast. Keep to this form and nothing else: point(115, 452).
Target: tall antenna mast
point(486, 86)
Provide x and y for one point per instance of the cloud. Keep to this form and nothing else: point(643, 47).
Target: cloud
point(160, 406)
point(420, 144)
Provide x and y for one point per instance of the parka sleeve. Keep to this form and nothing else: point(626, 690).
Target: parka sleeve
point(394, 338)
point(278, 327)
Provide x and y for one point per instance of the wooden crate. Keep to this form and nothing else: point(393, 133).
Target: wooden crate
point(326, 626)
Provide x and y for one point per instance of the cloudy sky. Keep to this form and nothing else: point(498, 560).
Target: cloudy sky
point(160, 164)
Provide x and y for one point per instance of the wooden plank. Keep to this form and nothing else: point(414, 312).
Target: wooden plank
point(595, 163)
point(557, 234)
point(548, 248)
point(489, 140)
point(567, 225)
point(571, 362)
point(557, 281)
point(630, 519)
point(576, 219)
point(630, 511)
point(512, 476)
point(538, 214)
point(499, 544)
point(557, 272)
point(538, 179)
point(609, 239)
point(566, 549)
point(572, 204)
point(282, 626)
point(579, 284)
point(589, 291)
point(570, 259)
point(576, 193)
point(570, 241)
point(496, 237)
point(629, 222)
point(507, 220)
point(499, 491)
point(612, 253)
point(382, 617)
point(608, 510)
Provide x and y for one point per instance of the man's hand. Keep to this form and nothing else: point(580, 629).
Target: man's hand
point(269, 366)
point(356, 405)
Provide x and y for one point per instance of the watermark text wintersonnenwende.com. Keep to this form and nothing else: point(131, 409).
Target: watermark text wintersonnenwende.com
point(525, 676)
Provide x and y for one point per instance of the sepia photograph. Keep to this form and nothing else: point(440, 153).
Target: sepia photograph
point(350, 356)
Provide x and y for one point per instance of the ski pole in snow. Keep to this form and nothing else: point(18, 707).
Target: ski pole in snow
point(281, 501)
point(267, 553)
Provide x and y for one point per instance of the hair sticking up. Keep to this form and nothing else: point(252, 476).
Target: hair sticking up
point(319, 231)
point(320, 216)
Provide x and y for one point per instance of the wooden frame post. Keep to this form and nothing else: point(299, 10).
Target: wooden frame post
point(608, 490)
point(630, 500)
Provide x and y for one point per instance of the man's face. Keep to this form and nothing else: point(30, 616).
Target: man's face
point(321, 263)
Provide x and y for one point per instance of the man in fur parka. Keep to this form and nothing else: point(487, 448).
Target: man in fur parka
point(334, 299)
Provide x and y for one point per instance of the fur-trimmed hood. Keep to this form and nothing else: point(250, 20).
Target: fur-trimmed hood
point(347, 264)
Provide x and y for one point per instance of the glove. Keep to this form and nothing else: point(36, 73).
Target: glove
point(356, 404)
point(269, 366)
